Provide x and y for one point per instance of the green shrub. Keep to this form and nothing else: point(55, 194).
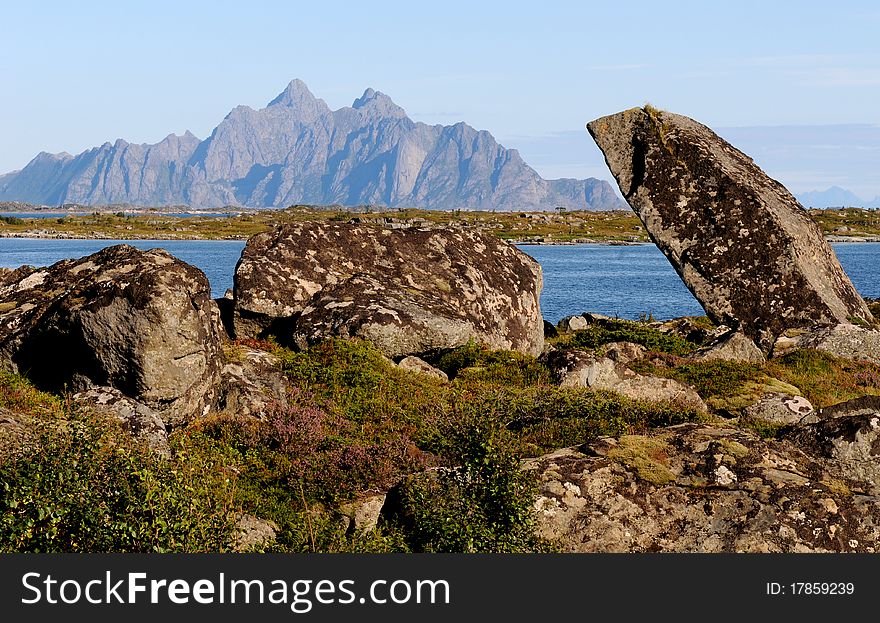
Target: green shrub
point(608, 331)
point(550, 418)
point(76, 485)
point(483, 504)
point(475, 363)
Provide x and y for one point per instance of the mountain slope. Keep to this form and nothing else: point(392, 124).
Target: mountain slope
point(297, 150)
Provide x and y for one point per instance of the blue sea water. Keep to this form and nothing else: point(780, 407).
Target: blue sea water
point(623, 281)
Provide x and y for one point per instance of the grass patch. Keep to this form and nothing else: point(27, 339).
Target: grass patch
point(476, 363)
point(608, 331)
point(826, 379)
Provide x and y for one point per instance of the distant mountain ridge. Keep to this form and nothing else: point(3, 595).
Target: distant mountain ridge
point(835, 197)
point(297, 150)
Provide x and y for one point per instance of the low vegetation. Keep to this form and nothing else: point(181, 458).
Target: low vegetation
point(238, 224)
point(355, 423)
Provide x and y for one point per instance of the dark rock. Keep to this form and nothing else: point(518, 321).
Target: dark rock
point(550, 330)
point(742, 244)
point(142, 322)
point(701, 488)
point(409, 291)
point(847, 435)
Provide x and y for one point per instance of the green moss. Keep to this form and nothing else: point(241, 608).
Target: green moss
point(647, 456)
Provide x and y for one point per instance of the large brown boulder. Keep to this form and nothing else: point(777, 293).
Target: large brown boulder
point(740, 241)
point(142, 322)
point(410, 291)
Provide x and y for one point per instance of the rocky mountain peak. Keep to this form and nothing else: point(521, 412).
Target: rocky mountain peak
point(377, 103)
point(295, 95)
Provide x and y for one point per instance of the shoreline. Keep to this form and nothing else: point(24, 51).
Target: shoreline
point(47, 235)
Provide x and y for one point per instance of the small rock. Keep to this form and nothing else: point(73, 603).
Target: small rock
point(723, 476)
point(777, 408)
point(414, 364)
point(575, 368)
point(624, 352)
point(254, 533)
point(572, 323)
point(250, 382)
point(363, 515)
point(734, 347)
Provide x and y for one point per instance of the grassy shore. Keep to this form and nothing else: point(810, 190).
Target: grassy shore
point(537, 227)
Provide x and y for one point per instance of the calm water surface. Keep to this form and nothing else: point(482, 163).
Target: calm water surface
point(625, 281)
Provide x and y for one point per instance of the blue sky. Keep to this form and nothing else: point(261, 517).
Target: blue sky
point(77, 74)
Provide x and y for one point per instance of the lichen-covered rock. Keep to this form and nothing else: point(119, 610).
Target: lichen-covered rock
point(362, 515)
point(847, 435)
point(624, 352)
point(254, 534)
point(702, 488)
point(844, 340)
point(250, 382)
point(142, 322)
point(410, 291)
point(733, 346)
point(414, 364)
point(143, 423)
point(575, 368)
point(779, 409)
point(740, 241)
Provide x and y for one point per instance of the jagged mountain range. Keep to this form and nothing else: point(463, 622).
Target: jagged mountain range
point(297, 150)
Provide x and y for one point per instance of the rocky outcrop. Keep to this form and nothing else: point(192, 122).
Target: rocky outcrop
point(847, 437)
point(250, 383)
point(139, 321)
point(409, 291)
point(139, 420)
point(709, 488)
point(742, 244)
point(575, 368)
point(297, 150)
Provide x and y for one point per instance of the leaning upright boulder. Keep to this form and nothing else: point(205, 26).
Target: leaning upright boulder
point(409, 291)
point(142, 322)
point(740, 241)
